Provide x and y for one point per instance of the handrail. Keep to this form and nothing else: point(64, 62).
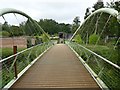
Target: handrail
point(19, 53)
point(111, 63)
point(14, 64)
point(105, 72)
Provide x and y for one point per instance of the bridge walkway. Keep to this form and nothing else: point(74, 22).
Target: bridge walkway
point(57, 68)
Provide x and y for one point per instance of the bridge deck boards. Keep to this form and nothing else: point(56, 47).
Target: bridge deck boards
point(58, 68)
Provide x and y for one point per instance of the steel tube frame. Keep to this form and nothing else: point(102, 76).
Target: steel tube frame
point(110, 11)
point(11, 10)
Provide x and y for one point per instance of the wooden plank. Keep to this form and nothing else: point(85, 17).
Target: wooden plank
point(58, 68)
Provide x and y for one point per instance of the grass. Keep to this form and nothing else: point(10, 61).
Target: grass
point(105, 51)
point(107, 73)
point(5, 52)
point(23, 60)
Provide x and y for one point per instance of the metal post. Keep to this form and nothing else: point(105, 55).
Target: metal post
point(15, 65)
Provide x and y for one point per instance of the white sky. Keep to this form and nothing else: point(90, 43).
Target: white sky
point(63, 11)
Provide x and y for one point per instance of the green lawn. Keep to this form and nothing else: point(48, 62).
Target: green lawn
point(107, 52)
point(5, 52)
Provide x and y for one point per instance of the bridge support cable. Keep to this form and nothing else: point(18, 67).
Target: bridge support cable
point(25, 54)
point(101, 53)
point(102, 31)
point(104, 69)
point(110, 11)
point(10, 10)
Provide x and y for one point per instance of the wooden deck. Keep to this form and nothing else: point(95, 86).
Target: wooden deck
point(58, 68)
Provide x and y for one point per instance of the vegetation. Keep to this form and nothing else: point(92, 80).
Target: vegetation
point(99, 26)
point(5, 52)
point(93, 39)
point(78, 39)
point(52, 27)
point(105, 71)
point(4, 34)
point(23, 60)
point(76, 24)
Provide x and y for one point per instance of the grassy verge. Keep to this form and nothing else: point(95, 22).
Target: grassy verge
point(5, 52)
point(105, 51)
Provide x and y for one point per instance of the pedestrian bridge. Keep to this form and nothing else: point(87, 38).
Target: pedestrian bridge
point(72, 65)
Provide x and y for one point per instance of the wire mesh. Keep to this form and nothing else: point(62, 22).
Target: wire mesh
point(107, 72)
point(21, 28)
point(22, 59)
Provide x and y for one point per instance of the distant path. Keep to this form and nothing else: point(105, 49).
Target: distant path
point(58, 68)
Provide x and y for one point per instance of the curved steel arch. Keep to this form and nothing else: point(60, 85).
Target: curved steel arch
point(110, 11)
point(11, 10)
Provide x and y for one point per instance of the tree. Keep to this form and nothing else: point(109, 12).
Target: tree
point(87, 13)
point(0, 26)
point(78, 39)
point(93, 39)
point(76, 20)
point(16, 31)
point(4, 34)
point(76, 24)
point(98, 5)
point(114, 4)
point(6, 27)
point(52, 27)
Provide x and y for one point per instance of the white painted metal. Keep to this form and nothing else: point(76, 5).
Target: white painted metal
point(110, 11)
point(104, 59)
point(11, 10)
point(95, 77)
point(23, 71)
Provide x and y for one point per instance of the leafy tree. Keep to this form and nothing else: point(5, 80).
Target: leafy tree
point(78, 39)
point(98, 5)
point(4, 34)
point(6, 27)
point(38, 40)
point(29, 42)
point(0, 26)
point(44, 38)
point(76, 24)
point(114, 4)
point(16, 31)
point(93, 38)
point(31, 29)
point(87, 13)
point(52, 27)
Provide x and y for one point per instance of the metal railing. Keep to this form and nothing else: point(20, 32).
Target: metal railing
point(11, 66)
point(104, 69)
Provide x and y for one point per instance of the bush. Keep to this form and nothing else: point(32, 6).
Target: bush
point(78, 39)
point(93, 39)
point(38, 40)
point(44, 38)
point(4, 34)
point(29, 42)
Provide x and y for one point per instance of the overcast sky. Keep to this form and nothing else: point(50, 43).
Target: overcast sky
point(63, 11)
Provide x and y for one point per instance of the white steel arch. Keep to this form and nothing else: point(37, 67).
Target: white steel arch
point(11, 10)
point(110, 11)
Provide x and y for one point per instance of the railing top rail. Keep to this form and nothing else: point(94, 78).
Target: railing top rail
point(19, 53)
point(109, 62)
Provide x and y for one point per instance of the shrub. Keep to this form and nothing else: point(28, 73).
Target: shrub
point(44, 38)
point(78, 39)
point(93, 39)
point(29, 42)
point(38, 40)
point(4, 34)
